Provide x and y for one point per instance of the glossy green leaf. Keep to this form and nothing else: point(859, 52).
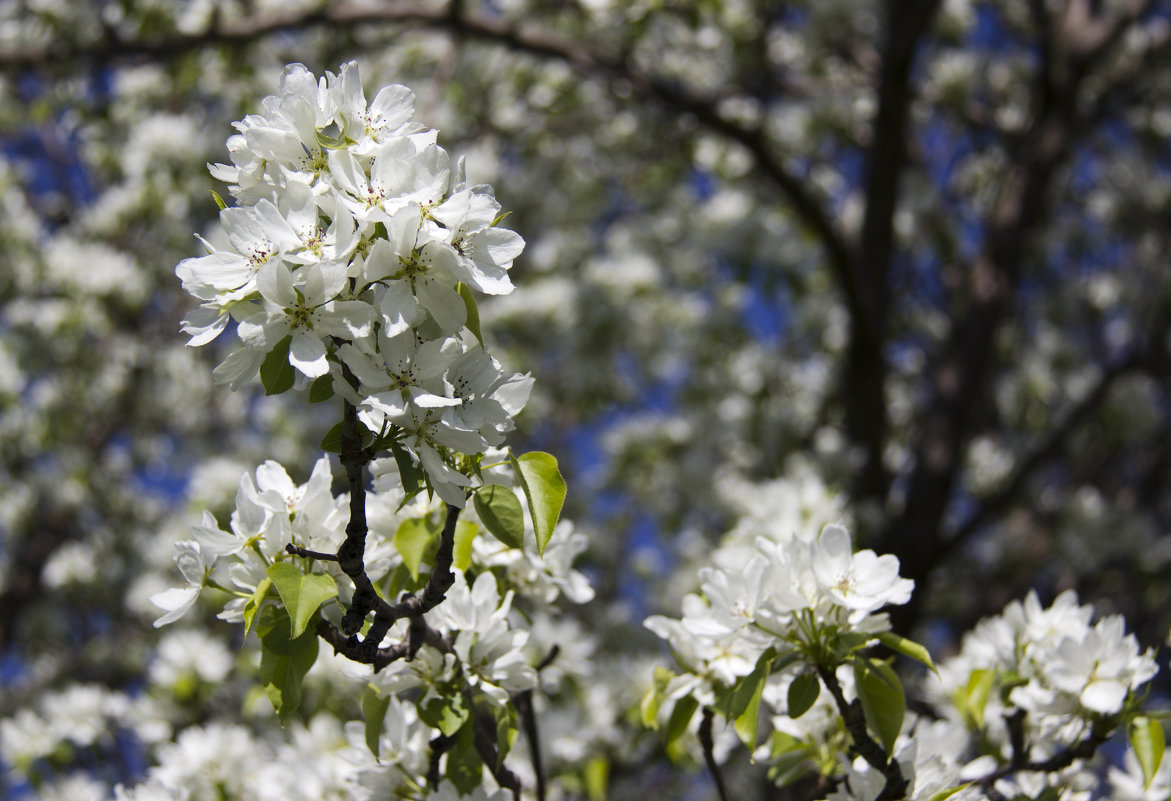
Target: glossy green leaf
point(596, 778)
point(411, 541)
point(302, 593)
point(219, 201)
point(464, 767)
point(443, 712)
point(253, 604)
point(275, 371)
point(747, 723)
point(506, 731)
point(374, 708)
point(882, 697)
point(410, 475)
point(948, 792)
point(545, 489)
point(803, 693)
point(501, 514)
point(680, 716)
point(321, 389)
point(972, 700)
point(908, 648)
point(461, 552)
point(284, 660)
point(1147, 739)
point(332, 441)
point(473, 321)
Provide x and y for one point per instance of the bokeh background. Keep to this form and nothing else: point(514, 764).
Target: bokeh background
point(902, 264)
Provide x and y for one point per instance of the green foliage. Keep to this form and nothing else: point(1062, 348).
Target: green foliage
point(411, 541)
point(544, 487)
point(374, 706)
point(1148, 741)
point(803, 692)
point(501, 514)
point(882, 697)
point(302, 593)
point(284, 660)
point(276, 373)
point(908, 648)
point(681, 715)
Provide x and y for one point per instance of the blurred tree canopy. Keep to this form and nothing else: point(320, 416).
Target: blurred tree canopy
point(908, 259)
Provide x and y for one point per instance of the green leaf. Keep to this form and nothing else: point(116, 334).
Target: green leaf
point(973, 699)
point(506, 731)
point(802, 693)
point(275, 371)
point(374, 708)
point(596, 778)
point(882, 697)
point(741, 704)
point(501, 514)
point(411, 541)
point(409, 473)
point(302, 593)
point(219, 201)
point(473, 321)
point(908, 648)
point(649, 706)
point(332, 144)
point(443, 712)
point(253, 604)
point(948, 792)
point(1147, 740)
point(332, 441)
point(544, 486)
point(464, 768)
point(680, 716)
point(284, 660)
point(461, 552)
point(321, 389)
point(748, 721)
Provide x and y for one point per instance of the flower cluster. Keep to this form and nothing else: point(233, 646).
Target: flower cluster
point(271, 512)
point(350, 259)
point(1050, 663)
point(787, 596)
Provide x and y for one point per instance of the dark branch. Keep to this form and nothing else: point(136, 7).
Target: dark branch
point(709, 756)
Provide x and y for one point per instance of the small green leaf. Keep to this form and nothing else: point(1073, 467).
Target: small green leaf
point(374, 708)
point(332, 441)
point(253, 604)
point(802, 694)
point(443, 712)
point(461, 552)
point(275, 371)
point(411, 541)
point(321, 389)
point(596, 778)
point(680, 716)
point(284, 660)
point(908, 648)
point(747, 722)
point(219, 201)
point(302, 593)
point(882, 697)
point(464, 767)
point(331, 144)
point(544, 487)
point(973, 699)
point(1147, 739)
point(409, 473)
point(473, 321)
point(506, 731)
point(501, 514)
point(948, 792)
